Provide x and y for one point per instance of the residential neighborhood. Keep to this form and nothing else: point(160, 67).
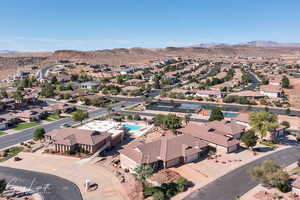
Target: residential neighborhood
point(135, 124)
point(149, 100)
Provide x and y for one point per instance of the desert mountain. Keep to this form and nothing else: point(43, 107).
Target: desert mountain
point(137, 56)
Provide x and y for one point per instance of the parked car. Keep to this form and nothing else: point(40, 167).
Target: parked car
point(65, 125)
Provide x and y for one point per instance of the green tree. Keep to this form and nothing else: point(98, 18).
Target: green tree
point(3, 93)
point(169, 121)
point(159, 195)
point(18, 96)
point(288, 111)
point(182, 184)
point(263, 122)
point(249, 138)
point(120, 79)
point(187, 118)
point(47, 90)
point(157, 82)
point(143, 171)
point(286, 124)
point(285, 82)
point(137, 117)
point(271, 174)
point(3, 185)
point(53, 80)
point(216, 114)
point(80, 115)
point(39, 133)
point(130, 117)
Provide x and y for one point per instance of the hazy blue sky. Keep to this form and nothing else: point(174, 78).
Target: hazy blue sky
point(27, 25)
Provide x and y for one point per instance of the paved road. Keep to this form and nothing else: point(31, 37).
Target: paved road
point(13, 139)
point(238, 182)
point(51, 187)
point(254, 81)
point(237, 108)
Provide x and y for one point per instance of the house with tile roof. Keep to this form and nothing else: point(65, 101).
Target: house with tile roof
point(164, 152)
point(272, 91)
point(72, 139)
point(221, 135)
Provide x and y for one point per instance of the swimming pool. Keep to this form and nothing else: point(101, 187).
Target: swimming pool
point(229, 114)
point(132, 127)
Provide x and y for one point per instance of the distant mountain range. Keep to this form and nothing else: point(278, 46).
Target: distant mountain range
point(257, 43)
point(8, 51)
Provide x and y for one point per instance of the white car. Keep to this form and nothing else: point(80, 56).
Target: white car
point(65, 125)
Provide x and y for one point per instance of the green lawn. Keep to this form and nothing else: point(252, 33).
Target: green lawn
point(2, 133)
point(11, 152)
point(53, 117)
point(269, 144)
point(25, 125)
point(296, 170)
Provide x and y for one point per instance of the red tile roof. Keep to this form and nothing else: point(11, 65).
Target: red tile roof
point(214, 132)
point(164, 148)
point(71, 136)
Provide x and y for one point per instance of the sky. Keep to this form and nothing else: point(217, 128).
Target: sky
point(47, 25)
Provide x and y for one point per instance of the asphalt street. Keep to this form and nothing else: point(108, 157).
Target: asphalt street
point(237, 108)
point(254, 81)
point(238, 182)
point(49, 186)
point(13, 139)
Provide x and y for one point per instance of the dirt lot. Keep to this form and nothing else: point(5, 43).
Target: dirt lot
point(73, 170)
point(294, 93)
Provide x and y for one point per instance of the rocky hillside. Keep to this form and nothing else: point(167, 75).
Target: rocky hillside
point(9, 63)
point(142, 55)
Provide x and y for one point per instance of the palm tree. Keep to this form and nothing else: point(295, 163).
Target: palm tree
point(143, 171)
point(263, 122)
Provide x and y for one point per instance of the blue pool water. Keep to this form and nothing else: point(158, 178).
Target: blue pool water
point(132, 127)
point(229, 114)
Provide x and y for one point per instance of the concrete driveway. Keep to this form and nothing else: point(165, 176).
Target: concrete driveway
point(238, 182)
point(70, 169)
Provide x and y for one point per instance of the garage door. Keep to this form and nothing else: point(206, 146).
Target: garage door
point(191, 158)
point(233, 148)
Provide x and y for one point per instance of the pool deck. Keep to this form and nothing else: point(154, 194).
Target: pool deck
point(107, 125)
point(145, 128)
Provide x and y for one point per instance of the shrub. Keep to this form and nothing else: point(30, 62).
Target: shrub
point(3, 185)
point(283, 187)
point(286, 123)
point(199, 98)
point(159, 195)
point(39, 133)
point(182, 184)
point(149, 190)
point(137, 117)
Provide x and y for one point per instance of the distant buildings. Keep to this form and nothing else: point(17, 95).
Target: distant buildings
point(208, 93)
point(272, 91)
